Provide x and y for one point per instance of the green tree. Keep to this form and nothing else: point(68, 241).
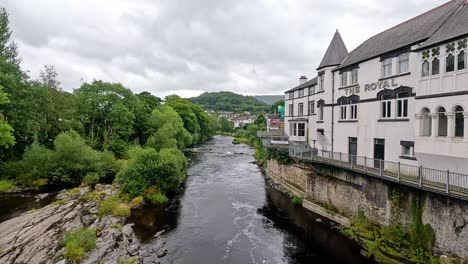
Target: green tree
point(48, 77)
point(106, 112)
point(166, 129)
point(6, 131)
point(8, 48)
point(146, 104)
point(224, 125)
point(148, 168)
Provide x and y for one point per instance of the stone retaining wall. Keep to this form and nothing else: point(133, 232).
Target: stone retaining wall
point(383, 202)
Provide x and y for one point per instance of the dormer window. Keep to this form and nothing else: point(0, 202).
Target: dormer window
point(387, 67)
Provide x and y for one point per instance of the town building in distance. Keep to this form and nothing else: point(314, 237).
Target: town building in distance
point(400, 96)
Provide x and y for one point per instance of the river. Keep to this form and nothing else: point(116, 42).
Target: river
point(229, 214)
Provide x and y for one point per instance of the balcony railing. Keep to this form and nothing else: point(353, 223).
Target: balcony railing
point(446, 182)
point(272, 134)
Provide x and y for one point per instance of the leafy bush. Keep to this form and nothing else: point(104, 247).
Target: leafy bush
point(165, 169)
point(66, 164)
point(91, 179)
point(78, 242)
point(121, 210)
point(6, 185)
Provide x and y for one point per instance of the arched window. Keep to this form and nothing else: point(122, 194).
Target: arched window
point(442, 119)
point(425, 69)
point(426, 120)
point(461, 60)
point(435, 66)
point(459, 122)
point(450, 63)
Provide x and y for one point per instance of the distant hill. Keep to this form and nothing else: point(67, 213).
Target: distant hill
point(229, 101)
point(268, 99)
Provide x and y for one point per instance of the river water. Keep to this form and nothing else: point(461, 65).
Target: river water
point(229, 214)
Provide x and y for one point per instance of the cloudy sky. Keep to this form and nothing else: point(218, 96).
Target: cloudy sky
point(188, 47)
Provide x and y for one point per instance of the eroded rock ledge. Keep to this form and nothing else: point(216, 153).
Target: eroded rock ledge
point(36, 236)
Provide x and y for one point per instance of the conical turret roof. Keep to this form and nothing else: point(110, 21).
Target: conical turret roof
point(336, 52)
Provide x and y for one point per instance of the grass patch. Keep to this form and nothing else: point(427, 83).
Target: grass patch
point(121, 210)
point(58, 202)
point(79, 242)
point(137, 202)
point(296, 200)
point(117, 227)
point(128, 261)
point(6, 185)
point(158, 198)
point(239, 140)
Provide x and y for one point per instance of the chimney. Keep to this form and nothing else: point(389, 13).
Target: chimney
point(302, 80)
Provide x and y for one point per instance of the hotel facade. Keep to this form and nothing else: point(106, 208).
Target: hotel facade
point(401, 96)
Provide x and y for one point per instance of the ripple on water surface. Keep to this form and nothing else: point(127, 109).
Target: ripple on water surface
point(228, 214)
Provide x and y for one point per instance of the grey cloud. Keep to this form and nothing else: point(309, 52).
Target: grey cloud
point(180, 46)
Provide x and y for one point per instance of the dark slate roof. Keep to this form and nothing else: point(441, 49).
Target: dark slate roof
point(456, 26)
point(336, 52)
point(309, 83)
point(407, 33)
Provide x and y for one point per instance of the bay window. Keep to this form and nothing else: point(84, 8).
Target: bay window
point(301, 129)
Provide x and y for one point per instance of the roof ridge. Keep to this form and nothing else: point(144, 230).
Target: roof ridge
point(425, 13)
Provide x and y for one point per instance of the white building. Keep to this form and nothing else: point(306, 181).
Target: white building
point(400, 96)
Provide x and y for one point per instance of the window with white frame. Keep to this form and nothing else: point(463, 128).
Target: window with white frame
point(407, 149)
point(426, 119)
point(312, 90)
point(353, 111)
point(425, 69)
point(402, 105)
point(403, 62)
point(385, 108)
point(459, 122)
point(435, 66)
point(301, 129)
point(449, 63)
point(461, 60)
point(387, 67)
point(320, 114)
point(344, 79)
point(301, 109)
point(291, 109)
point(301, 92)
point(311, 107)
point(294, 129)
point(321, 82)
point(354, 76)
point(343, 109)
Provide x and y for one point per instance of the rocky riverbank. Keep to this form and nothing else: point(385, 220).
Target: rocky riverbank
point(37, 236)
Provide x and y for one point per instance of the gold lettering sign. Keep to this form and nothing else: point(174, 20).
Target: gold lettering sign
point(384, 84)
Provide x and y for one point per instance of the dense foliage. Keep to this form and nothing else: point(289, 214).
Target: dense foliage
point(52, 137)
point(228, 101)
